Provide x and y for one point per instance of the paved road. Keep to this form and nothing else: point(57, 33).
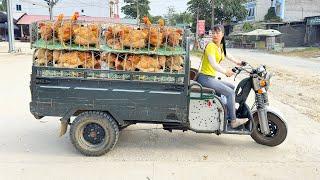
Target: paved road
point(31, 149)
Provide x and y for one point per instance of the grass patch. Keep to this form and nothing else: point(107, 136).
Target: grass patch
point(197, 53)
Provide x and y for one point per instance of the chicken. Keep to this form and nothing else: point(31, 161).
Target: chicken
point(43, 57)
point(154, 34)
point(172, 36)
point(69, 60)
point(131, 63)
point(66, 31)
point(175, 63)
point(56, 57)
point(107, 61)
point(87, 60)
point(45, 30)
point(115, 34)
point(134, 39)
point(162, 62)
point(148, 64)
point(57, 24)
point(87, 35)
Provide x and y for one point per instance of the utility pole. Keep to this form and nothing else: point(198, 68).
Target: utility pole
point(51, 4)
point(212, 16)
point(10, 26)
point(138, 13)
point(196, 45)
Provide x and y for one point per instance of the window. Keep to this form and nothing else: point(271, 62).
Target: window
point(251, 12)
point(18, 7)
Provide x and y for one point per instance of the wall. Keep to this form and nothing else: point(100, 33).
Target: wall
point(293, 35)
point(96, 8)
point(296, 10)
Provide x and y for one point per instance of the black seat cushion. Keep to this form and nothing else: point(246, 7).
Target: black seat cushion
point(195, 88)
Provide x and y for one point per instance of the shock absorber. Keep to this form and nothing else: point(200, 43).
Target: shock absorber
point(265, 98)
point(262, 114)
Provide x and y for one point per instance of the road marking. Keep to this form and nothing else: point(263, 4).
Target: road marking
point(128, 90)
point(94, 89)
point(164, 92)
point(55, 87)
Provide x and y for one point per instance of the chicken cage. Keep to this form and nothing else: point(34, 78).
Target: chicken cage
point(101, 50)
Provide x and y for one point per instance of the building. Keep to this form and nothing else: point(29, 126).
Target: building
point(93, 8)
point(287, 10)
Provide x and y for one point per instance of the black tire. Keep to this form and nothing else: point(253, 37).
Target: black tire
point(94, 133)
point(278, 130)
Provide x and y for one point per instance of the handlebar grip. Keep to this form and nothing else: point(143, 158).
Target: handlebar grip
point(235, 69)
point(243, 63)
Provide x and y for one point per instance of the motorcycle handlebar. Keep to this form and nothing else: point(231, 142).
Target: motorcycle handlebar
point(235, 69)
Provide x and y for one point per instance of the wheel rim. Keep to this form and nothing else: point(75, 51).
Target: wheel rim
point(92, 135)
point(273, 129)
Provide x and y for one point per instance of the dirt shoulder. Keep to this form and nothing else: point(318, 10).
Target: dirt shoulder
point(310, 52)
point(295, 81)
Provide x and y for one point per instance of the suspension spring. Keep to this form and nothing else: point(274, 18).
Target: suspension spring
point(265, 98)
point(259, 101)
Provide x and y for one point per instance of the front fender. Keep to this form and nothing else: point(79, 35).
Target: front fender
point(274, 111)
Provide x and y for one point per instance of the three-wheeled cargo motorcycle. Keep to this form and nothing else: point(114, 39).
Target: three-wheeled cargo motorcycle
point(104, 102)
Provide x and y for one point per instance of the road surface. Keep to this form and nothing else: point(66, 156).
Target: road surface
point(31, 149)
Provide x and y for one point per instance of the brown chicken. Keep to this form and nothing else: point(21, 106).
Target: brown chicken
point(43, 57)
point(162, 62)
point(115, 34)
point(175, 63)
point(108, 61)
point(131, 63)
point(45, 30)
point(69, 60)
point(134, 39)
point(154, 34)
point(172, 36)
point(57, 24)
point(87, 35)
point(66, 31)
point(148, 64)
point(87, 60)
point(56, 57)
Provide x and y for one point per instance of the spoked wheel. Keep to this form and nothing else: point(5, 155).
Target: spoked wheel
point(94, 133)
point(278, 130)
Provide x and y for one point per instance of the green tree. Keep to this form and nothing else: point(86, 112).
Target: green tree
point(155, 19)
point(170, 16)
point(225, 11)
point(183, 18)
point(130, 9)
point(271, 15)
point(3, 5)
point(203, 9)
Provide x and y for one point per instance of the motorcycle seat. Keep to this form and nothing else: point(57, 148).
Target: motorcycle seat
point(196, 87)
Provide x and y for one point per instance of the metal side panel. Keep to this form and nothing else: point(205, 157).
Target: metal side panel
point(206, 115)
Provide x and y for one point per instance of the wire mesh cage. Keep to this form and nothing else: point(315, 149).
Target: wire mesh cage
point(78, 49)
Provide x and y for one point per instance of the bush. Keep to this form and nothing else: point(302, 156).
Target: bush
point(271, 15)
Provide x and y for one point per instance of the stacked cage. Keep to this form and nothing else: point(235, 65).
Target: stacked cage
point(99, 50)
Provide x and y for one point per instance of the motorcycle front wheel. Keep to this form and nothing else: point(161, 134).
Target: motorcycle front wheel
point(278, 130)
